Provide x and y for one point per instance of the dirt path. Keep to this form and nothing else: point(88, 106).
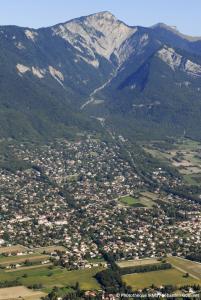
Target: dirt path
point(20, 259)
point(28, 268)
point(184, 271)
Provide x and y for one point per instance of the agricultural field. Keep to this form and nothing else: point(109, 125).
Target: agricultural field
point(143, 199)
point(49, 277)
point(193, 179)
point(159, 278)
point(34, 266)
point(20, 292)
point(185, 155)
point(187, 266)
point(137, 262)
point(12, 249)
point(49, 249)
point(5, 261)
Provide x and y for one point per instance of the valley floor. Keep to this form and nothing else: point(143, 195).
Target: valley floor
point(87, 197)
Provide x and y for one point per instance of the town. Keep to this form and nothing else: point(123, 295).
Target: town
point(72, 194)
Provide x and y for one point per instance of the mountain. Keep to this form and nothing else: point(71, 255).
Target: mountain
point(163, 95)
point(61, 80)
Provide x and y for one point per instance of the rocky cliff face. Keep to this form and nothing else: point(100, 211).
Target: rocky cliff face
point(100, 34)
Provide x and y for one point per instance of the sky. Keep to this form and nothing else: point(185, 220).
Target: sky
point(185, 14)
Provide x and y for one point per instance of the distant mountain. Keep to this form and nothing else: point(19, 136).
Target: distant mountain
point(59, 80)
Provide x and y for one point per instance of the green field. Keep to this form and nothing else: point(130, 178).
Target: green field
point(53, 277)
point(193, 268)
point(158, 278)
point(192, 179)
point(157, 153)
point(22, 258)
point(188, 144)
point(142, 201)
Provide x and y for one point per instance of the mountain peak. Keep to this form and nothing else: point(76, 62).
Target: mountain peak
point(100, 18)
point(101, 33)
point(104, 15)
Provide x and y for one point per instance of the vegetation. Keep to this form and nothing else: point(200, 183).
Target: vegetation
point(194, 257)
point(158, 278)
point(4, 260)
point(163, 103)
point(5, 284)
point(191, 267)
point(145, 268)
point(139, 200)
point(110, 279)
point(128, 200)
point(182, 155)
point(41, 277)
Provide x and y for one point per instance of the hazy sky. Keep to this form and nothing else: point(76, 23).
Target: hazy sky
point(185, 14)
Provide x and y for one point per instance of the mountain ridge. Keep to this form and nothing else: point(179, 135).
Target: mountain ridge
point(175, 30)
point(60, 76)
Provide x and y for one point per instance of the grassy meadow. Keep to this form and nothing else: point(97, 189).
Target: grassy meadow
point(49, 277)
point(158, 278)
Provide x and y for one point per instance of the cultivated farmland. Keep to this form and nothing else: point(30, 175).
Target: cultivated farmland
point(184, 154)
point(4, 261)
point(187, 266)
point(158, 278)
point(12, 249)
point(20, 292)
point(54, 276)
point(49, 249)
